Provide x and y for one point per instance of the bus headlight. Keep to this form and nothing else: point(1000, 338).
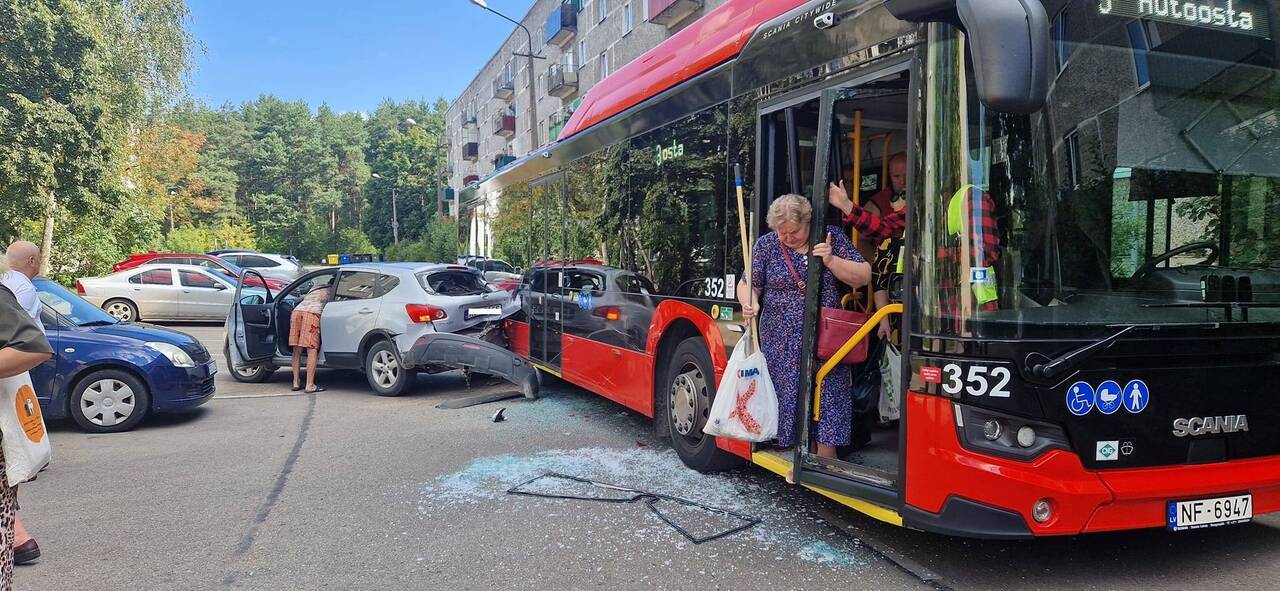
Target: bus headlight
point(1007, 436)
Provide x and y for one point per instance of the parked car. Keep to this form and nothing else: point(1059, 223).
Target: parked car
point(498, 272)
point(200, 260)
point(278, 266)
point(107, 375)
point(375, 316)
point(162, 292)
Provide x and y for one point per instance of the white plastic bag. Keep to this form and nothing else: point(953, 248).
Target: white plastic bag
point(890, 383)
point(746, 406)
point(26, 443)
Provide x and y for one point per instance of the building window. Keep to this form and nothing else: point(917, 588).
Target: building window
point(1141, 46)
point(628, 18)
point(603, 7)
point(541, 84)
point(604, 64)
point(582, 52)
point(1061, 42)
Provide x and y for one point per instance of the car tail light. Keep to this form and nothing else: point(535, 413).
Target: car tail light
point(79, 287)
point(608, 312)
point(423, 313)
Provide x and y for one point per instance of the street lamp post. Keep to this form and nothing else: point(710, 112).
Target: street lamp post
point(436, 171)
point(533, 98)
point(395, 218)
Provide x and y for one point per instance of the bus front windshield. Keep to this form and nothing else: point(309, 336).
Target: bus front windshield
point(1147, 190)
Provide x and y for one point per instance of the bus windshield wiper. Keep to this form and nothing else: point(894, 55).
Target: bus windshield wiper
point(1052, 366)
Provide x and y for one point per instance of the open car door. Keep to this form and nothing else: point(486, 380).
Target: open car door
point(251, 324)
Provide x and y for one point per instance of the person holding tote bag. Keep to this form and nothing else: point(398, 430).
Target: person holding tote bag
point(779, 264)
point(22, 347)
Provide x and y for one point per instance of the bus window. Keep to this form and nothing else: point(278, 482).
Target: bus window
point(677, 193)
point(1125, 200)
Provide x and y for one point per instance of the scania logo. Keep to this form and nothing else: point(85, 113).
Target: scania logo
point(1210, 425)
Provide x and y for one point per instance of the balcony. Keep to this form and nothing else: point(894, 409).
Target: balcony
point(672, 12)
point(504, 89)
point(471, 151)
point(562, 80)
point(562, 24)
point(504, 125)
point(468, 119)
point(502, 160)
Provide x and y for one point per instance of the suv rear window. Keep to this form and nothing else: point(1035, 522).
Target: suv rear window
point(454, 283)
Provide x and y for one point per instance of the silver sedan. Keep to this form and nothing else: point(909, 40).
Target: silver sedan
point(161, 292)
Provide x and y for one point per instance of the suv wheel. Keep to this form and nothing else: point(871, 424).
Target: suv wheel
point(249, 375)
point(384, 371)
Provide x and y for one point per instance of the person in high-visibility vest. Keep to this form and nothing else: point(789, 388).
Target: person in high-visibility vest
point(981, 235)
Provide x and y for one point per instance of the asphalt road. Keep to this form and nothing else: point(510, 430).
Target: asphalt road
point(262, 488)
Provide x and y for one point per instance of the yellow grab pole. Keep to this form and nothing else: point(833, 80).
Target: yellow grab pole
point(845, 349)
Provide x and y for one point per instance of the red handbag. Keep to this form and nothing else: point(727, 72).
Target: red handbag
point(835, 325)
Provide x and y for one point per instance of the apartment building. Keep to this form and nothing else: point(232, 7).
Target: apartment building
point(577, 44)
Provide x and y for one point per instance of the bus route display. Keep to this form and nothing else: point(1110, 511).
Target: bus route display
point(1220, 15)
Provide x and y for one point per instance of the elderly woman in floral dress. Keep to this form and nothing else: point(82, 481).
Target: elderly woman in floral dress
point(779, 265)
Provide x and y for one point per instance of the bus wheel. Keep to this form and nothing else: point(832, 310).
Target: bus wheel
point(684, 398)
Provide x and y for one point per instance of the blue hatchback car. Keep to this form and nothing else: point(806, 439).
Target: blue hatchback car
point(107, 375)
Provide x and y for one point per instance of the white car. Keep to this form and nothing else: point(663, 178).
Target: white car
point(389, 320)
point(162, 292)
point(278, 266)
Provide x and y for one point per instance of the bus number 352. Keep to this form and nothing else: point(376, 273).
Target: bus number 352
point(976, 383)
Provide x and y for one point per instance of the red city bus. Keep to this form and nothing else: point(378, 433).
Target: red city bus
point(1098, 354)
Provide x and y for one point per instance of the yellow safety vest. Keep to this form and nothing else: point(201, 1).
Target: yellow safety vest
point(981, 279)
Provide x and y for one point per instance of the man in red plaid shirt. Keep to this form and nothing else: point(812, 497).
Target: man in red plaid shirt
point(983, 238)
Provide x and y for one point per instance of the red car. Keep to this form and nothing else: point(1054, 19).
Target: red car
point(203, 260)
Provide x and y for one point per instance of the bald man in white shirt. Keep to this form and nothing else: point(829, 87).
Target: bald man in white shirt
point(24, 265)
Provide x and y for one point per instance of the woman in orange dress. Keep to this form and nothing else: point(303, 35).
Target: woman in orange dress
point(304, 333)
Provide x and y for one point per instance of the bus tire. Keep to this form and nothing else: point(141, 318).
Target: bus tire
point(685, 392)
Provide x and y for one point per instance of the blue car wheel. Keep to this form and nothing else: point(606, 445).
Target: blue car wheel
point(109, 401)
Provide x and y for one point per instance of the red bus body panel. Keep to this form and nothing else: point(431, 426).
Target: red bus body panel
point(708, 42)
point(1084, 501)
point(621, 375)
point(627, 377)
point(518, 337)
point(671, 310)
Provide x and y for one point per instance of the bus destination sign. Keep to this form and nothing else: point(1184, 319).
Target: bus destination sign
point(1222, 15)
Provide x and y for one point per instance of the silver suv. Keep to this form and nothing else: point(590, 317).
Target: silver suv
point(377, 320)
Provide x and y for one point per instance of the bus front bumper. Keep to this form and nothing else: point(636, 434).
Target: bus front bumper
point(952, 490)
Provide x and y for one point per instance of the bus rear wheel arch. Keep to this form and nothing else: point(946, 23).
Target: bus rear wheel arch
point(686, 387)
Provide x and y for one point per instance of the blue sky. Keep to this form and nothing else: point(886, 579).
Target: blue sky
point(349, 53)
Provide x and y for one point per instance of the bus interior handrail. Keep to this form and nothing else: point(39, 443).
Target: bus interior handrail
point(844, 350)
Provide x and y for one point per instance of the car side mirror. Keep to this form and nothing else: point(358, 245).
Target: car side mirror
point(220, 287)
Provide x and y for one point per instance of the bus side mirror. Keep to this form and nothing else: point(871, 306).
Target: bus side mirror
point(1009, 41)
